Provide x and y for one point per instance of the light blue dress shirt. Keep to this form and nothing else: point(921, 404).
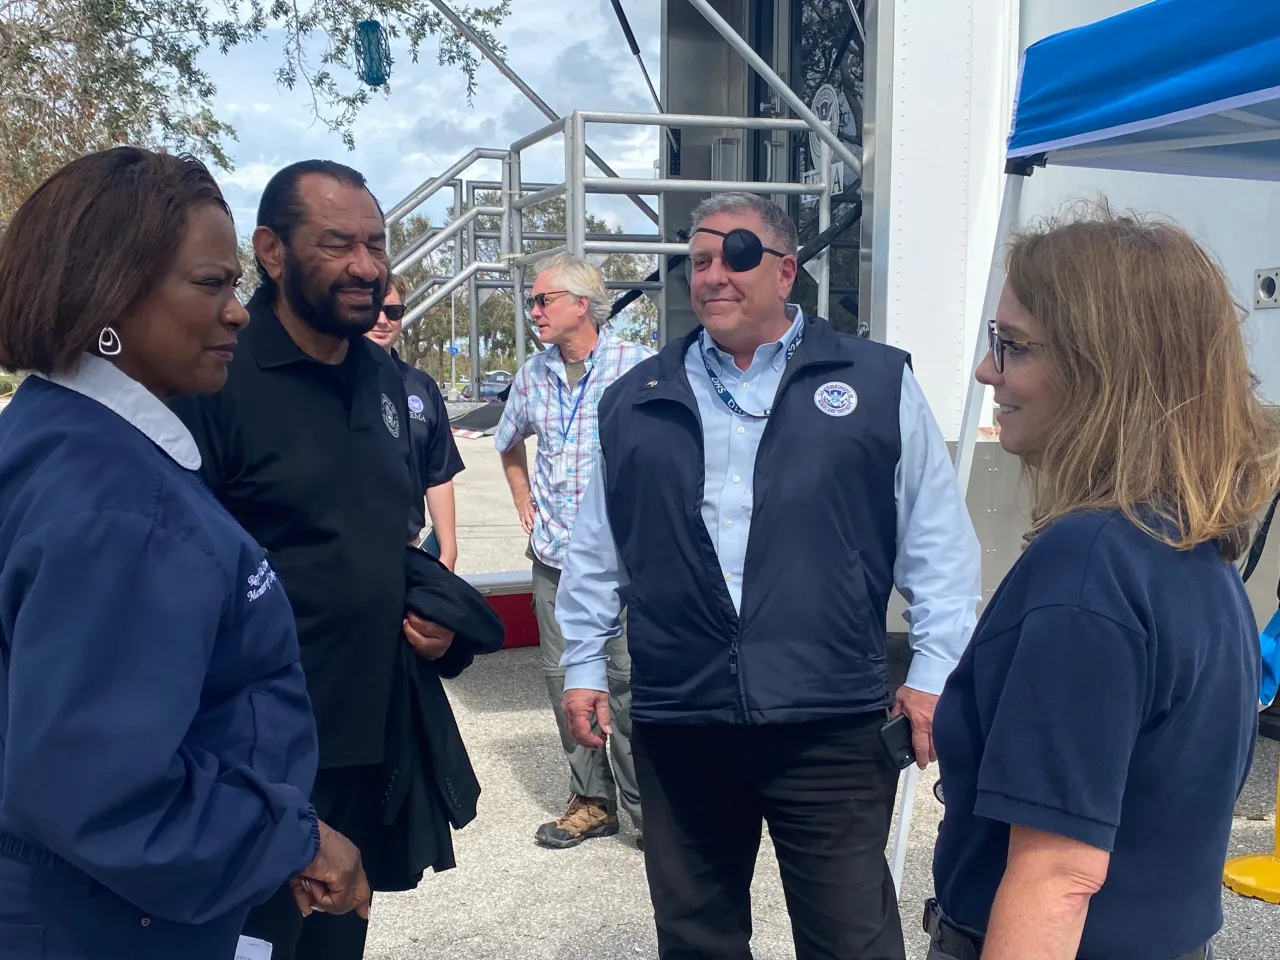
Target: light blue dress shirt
point(938, 566)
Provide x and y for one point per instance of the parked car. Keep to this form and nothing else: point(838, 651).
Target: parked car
point(491, 391)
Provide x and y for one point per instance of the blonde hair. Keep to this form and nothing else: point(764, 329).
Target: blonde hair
point(582, 279)
point(400, 284)
point(1160, 415)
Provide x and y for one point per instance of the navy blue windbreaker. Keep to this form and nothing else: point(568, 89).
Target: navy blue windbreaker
point(155, 730)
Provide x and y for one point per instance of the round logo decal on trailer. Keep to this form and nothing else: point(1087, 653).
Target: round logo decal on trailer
point(835, 399)
point(390, 417)
point(415, 403)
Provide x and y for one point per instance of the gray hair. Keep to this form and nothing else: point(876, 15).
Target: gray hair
point(582, 279)
point(779, 228)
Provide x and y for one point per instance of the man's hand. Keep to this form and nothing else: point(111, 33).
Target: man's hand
point(918, 706)
point(579, 706)
point(334, 882)
point(429, 640)
point(526, 509)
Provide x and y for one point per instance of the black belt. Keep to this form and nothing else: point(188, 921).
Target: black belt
point(960, 944)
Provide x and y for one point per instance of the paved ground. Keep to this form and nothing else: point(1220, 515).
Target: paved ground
point(489, 534)
point(511, 900)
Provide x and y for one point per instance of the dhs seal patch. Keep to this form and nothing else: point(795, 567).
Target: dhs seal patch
point(835, 399)
point(390, 417)
point(415, 403)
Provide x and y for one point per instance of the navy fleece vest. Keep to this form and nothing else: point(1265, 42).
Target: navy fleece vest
point(810, 641)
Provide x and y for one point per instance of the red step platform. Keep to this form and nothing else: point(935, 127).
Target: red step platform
point(516, 611)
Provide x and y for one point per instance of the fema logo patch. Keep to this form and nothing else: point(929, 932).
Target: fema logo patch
point(835, 399)
point(390, 417)
point(415, 403)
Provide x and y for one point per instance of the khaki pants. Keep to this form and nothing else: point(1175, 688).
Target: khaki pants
point(590, 773)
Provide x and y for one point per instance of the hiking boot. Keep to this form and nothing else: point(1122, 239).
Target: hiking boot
point(586, 817)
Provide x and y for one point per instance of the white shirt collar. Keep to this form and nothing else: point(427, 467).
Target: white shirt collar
point(104, 382)
point(713, 352)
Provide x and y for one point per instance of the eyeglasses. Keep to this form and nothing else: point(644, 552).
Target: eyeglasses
point(393, 311)
point(999, 343)
point(741, 250)
point(540, 300)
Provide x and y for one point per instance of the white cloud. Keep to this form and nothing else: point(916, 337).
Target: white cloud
point(248, 177)
point(572, 52)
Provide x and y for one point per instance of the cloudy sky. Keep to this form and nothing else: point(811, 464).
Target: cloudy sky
point(572, 52)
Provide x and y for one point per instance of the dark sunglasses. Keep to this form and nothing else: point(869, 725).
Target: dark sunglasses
point(394, 311)
point(540, 300)
point(999, 343)
point(741, 250)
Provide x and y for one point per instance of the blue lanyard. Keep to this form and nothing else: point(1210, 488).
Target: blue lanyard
point(582, 389)
point(725, 396)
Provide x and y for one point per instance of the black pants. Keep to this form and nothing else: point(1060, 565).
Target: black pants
point(349, 800)
point(825, 788)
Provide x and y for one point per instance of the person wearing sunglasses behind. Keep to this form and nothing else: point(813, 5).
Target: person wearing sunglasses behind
point(763, 484)
point(554, 397)
point(157, 746)
point(436, 460)
point(1096, 734)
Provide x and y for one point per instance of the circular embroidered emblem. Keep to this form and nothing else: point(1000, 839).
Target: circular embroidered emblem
point(415, 403)
point(835, 399)
point(390, 417)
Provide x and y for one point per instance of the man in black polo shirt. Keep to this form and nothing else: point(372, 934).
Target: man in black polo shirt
point(435, 454)
point(307, 446)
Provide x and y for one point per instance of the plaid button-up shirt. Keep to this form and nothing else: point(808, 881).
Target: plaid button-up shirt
point(542, 404)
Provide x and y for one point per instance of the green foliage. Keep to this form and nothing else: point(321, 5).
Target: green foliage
point(83, 75)
point(249, 265)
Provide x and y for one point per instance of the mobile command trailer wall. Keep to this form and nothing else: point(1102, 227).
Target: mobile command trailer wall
point(924, 92)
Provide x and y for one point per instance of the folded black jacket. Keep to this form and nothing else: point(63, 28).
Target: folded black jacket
point(428, 782)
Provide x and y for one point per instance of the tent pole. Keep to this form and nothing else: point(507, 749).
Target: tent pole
point(995, 283)
point(964, 466)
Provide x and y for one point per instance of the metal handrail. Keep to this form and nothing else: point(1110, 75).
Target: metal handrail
point(422, 247)
point(689, 120)
point(454, 283)
point(542, 196)
point(651, 187)
point(517, 196)
point(542, 133)
point(428, 189)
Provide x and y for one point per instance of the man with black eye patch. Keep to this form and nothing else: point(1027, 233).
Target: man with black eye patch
point(307, 446)
point(761, 488)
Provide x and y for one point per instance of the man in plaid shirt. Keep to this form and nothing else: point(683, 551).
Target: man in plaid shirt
point(554, 398)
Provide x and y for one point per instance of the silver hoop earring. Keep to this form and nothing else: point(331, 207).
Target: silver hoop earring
point(109, 342)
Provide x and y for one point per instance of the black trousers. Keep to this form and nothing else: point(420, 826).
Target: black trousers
point(825, 788)
point(349, 800)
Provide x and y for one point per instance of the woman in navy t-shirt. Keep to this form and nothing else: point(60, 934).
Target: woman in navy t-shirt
point(1095, 735)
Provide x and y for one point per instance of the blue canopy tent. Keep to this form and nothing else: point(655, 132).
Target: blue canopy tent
point(1174, 87)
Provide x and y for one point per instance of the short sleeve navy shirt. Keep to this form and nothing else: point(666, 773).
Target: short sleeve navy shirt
point(435, 453)
point(1109, 695)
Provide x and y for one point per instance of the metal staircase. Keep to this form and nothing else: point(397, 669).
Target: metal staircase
point(517, 196)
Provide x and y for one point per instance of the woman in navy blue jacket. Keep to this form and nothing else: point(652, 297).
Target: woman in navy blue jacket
point(1095, 735)
point(157, 747)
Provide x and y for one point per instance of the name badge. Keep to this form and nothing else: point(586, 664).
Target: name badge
point(557, 469)
point(251, 948)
